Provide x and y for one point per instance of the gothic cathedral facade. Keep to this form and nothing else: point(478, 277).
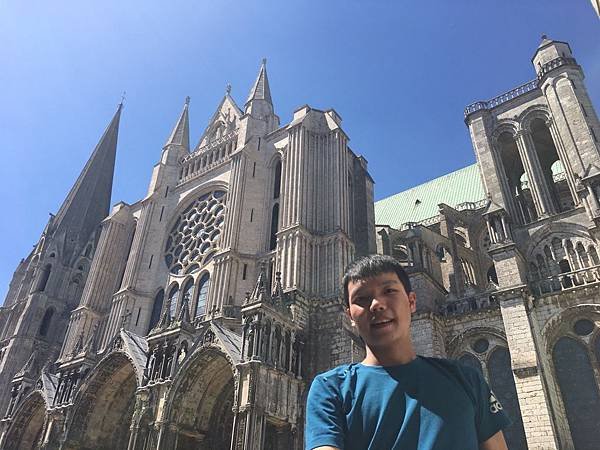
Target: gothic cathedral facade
point(197, 317)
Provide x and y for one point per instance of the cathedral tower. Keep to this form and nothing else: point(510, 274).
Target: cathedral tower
point(49, 282)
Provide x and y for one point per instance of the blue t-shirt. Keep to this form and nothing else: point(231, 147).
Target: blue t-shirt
point(426, 404)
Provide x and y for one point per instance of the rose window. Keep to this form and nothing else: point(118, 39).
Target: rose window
point(194, 238)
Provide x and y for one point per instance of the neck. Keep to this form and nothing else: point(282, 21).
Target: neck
point(399, 354)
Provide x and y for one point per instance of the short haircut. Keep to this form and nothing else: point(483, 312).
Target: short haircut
point(371, 266)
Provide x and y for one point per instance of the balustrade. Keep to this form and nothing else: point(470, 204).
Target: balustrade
point(502, 98)
point(565, 281)
point(207, 157)
point(468, 304)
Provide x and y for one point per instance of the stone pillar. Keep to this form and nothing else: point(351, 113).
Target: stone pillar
point(54, 431)
point(537, 184)
point(560, 149)
point(533, 398)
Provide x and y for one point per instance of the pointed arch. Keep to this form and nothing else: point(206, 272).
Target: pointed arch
point(103, 406)
point(27, 425)
point(579, 391)
point(201, 398)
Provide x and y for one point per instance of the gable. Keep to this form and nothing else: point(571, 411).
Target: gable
point(224, 121)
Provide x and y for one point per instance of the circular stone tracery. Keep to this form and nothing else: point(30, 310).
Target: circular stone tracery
point(194, 238)
point(583, 327)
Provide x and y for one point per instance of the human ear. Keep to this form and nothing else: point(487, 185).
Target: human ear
point(412, 301)
point(350, 317)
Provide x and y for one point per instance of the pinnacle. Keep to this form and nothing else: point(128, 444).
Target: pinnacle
point(181, 132)
point(261, 89)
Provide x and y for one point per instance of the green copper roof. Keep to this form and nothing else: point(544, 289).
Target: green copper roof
point(421, 202)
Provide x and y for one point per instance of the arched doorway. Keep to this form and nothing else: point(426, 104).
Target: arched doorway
point(25, 432)
point(104, 407)
point(201, 403)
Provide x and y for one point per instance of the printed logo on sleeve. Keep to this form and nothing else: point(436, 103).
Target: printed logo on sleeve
point(495, 405)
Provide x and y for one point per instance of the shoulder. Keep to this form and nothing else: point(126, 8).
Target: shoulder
point(334, 376)
point(468, 377)
point(453, 366)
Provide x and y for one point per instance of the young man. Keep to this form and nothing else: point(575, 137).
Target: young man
point(395, 399)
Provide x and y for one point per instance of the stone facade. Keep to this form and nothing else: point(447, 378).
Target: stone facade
point(197, 316)
point(510, 282)
point(204, 309)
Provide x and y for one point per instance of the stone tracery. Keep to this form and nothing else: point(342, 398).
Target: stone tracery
point(194, 238)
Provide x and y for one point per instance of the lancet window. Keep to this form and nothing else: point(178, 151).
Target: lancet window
point(173, 297)
point(553, 174)
point(488, 355)
point(194, 238)
point(516, 178)
point(203, 286)
point(156, 309)
point(574, 356)
point(275, 206)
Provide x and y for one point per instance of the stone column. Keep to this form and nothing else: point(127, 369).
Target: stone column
point(560, 149)
point(533, 398)
point(537, 184)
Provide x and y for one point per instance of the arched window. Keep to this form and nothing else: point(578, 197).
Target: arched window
point(579, 391)
point(552, 168)
point(519, 192)
point(503, 384)
point(173, 297)
point(202, 295)
point(277, 181)
point(593, 255)
point(43, 280)
point(46, 322)
point(274, 226)
point(471, 361)
point(156, 309)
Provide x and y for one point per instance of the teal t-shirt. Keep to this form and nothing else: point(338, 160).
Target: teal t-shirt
point(426, 404)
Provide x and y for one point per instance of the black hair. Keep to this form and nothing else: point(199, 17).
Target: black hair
point(370, 266)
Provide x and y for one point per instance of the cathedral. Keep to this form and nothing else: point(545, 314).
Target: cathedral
point(197, 317)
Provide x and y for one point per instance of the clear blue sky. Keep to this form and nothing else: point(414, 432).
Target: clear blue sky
point(399, 73)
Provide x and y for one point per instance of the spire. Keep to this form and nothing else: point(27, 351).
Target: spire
point(181, 132)
point(88, 201)
point(261, 90)
point(260, 292)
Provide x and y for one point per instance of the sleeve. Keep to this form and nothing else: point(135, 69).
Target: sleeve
point(324, 415)
point(489, 414)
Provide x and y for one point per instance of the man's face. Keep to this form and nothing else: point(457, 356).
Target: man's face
point(381, 309)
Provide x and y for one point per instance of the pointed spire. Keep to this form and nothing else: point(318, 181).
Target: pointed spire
point(181, 132)
point(261, 90)
point(278, 290)
point(184, 312)
point(165, 319)
point(260, 292)
point(88, 201)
